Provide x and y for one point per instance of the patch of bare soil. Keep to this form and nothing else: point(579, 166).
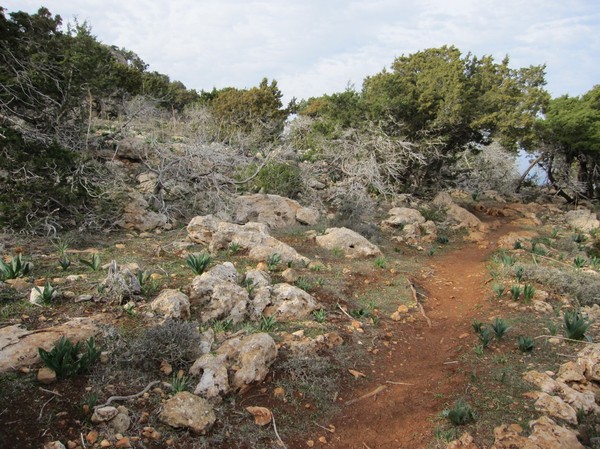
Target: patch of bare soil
point(418, 366)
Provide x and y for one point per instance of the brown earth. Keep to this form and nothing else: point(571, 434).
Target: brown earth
point(420, 365)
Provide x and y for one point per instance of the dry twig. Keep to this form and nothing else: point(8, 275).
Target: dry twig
point(376, 391)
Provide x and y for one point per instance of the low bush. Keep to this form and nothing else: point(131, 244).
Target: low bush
point(584, 287)
point(68, 359)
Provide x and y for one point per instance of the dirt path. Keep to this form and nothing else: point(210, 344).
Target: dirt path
point(427, 359)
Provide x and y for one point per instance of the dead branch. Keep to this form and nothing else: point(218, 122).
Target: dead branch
point(277, 433)
point(398, 383)
point(131, 396)
point(375, 392)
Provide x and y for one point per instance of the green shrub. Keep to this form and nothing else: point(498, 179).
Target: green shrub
point(575, 324)
point(477, 326)
point(65, 358)
point(93, 263)
point(519, 273)
point(528, 292)
point(515, 292)
point(320, 315)
point(380, 262)
point(273, 261)
point(198, 262)
point(525, 343)
point(485, 336)
point(500, 327)
point(303, 283)
point(498, 289)
point(267, 323)
point(179, 384)
point(585, 287)
point(47, 293)
point(16, 268)
point(279, 178)
point(461, 413)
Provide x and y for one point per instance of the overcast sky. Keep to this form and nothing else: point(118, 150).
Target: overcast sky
point(312, 47)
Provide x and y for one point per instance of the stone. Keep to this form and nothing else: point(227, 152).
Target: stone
point(555, 407)
point(258, 278)
point(273, 210)
point(186, 410)
point(54, 445)
point(464, 442)
point(123, 442)
point(201, 228)
point(547, 434)
point(35, 296)
point(19, 346)
point(542, 306)
point(219, 294)
point(351, 243)
point(120, 423)
point(105, 443)
point(172, 304)
point(255, 354)
point(541, 380)
point(589, 357)
point(582, 219)
point(214, 375)
point(571, 372)
point(138, 216)
point(262, 415)
point(442, 199)
point(92, 436)
point(290, 303)
point(46, 375)
point(103, 414)
point(509, 240)
point(290, 275)
point(400, 216)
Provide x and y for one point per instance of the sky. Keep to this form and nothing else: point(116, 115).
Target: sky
point(316, 47)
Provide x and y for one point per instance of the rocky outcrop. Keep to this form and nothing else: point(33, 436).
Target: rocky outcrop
point(400, 216)
point(172, 304)
point(218, 292)
point(236, 364)
point(273, 210)
point(138, 216)
point(188, 411)
point(582, 219)
point(290, 303)
point(19, 346)
point(462, 217)
point(253, 237)
point(351, 243)
point(509, 240)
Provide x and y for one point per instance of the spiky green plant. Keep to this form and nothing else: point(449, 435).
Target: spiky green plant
point(442, 239)
point(519, 271)
point(273, 261)
point(528, 292)
point(518, 244)
point(303, 283)
point(498, 289)
point(93, 263)
point(220, 326)
point(380, 262)
point(485, 337)
point(320, 315)
point(575, 324)
point(267, 323)
point(515, 291)
point(500, 327)
point(477, 326)
point(65, 358)
point(507, 260)
point(525, 343)
point(179, 384)
point(580, 261)
point(234, 248)
point(579, 237)
point(461, 413)
point(64, 263)
point(47, 293)
point(16, 268)
point(198, 262)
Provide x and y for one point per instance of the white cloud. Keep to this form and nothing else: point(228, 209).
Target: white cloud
point(313, 47)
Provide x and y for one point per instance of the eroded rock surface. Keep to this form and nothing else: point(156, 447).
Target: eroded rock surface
point(351, 243)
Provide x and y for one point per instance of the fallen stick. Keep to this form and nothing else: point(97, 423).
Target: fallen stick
point(277, 433)
point(322, 427)
point(451, 363)
point(131, 396)
point(365, 444)
point(416, 299)
point(344, 312)
point(50, 391)
point(43, 406)
point(376, 391)
point(398, 383)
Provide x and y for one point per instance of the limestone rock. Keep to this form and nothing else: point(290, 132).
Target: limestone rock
point(464, 442)
point(120, 423)
point(582, 219)
point(589, 357)
point(509, 240)
point(19, 346)
point(258, 278)
point(555, 407)
point(400, 216)
point(172, 304)
point(541, 380)
point(571, 372)
point(217, 290)
point(46, 375)
point(201, 228)
point(274, 210)
point(54, 445)
point(351, 243)
point(547, 434)
point(138, 216)
point(290, 275)
point(460, 215)
point(256, 353)
point(261, 299)
point(103, 414)
point(186, 410)
point(214, 377)
point(290, 303)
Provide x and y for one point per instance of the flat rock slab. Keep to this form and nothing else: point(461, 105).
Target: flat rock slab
point(19, 346)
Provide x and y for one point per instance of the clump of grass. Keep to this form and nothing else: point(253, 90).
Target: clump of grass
point(460, 414)
point(220, 326)
point(380, 262)
point(485, 337)
point(500, 327)
point(303, 283)
point(528, 292)
point(525, 344)
point(68, 359)
point(507, 260)
point(320, 315)
point(198, 262)
point(48, 293)
point(16, 268)
point(267, 323)
point(477, 326)
point(234, 248)
point(519, 273)
point(580, 261)
point(498, 289)
point(93, 263)
point(575, 324)
point(515, 291)
point(273, 261)
point(179, 384)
